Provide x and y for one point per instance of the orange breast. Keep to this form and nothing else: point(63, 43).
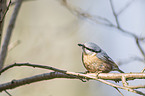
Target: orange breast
point(94, 64)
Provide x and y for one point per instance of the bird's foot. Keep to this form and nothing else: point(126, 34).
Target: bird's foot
point(117, 81)
point(97, 73)
point(84, 79)
point(84, 72)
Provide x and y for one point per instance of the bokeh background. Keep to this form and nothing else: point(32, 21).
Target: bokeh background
point(48, 34)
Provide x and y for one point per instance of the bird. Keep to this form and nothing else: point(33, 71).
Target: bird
point(96, 60)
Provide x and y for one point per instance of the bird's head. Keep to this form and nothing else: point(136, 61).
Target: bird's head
point(90, 48)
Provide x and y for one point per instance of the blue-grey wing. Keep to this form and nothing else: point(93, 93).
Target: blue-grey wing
point(104, 57)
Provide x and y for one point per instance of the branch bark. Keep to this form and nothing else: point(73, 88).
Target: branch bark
point(7, 37)
point(46, 76)
point(2, 12)
point(5, 12)
point(105, 76)
point(72, 75)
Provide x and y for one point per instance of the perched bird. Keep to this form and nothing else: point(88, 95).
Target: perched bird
point(96, 60)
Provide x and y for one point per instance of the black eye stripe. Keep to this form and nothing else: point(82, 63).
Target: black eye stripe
point(89, 48)
point(92, 50)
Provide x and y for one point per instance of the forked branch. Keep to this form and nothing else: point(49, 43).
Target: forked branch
point(72, 75)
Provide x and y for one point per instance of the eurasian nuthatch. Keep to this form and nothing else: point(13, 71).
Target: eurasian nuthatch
point(96, 60)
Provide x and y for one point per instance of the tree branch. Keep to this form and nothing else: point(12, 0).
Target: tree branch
point(66, 74)
point(7, 37)
point(2, 19)
point(46, 76)
point(105, 76)
point(125, 84)
point(80, 13)
point(14, 1)
point(8, 93)
point(115, 15)
point(130, 59)
point(106, 22)
point(119, 91)
point(2, 12)
point(124, 81)
point(125, 7)
point(139, 46)
point(32, 65)
point(143, 70)
point(13, 45)
point(127, 32)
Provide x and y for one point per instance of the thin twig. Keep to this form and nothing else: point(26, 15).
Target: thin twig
point(31, 65)
point(125, 84)
point(142, 38)
point(129, 60)
point(80, 13)
point(7, 92)
point(114, 13)
point(124, 81)
point(118, 91)
point(2, 11)
point(2, 19)
point(140, 48)
point(143, 70)
point(127, 32)
point(7, 37)
point(125, 7)
point(136, 87)
point(104, 19)
point(13, 45)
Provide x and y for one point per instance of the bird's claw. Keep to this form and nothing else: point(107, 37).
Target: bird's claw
point(84, 80)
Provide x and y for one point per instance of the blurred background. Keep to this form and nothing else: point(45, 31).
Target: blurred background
point(47, 32)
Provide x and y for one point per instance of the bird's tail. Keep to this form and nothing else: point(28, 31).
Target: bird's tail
point(120, 71)
point(117, 69)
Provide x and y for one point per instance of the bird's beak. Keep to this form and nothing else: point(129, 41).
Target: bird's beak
point(83, 47)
